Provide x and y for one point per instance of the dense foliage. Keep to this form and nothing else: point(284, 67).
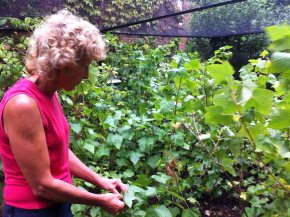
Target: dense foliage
point(177, 128)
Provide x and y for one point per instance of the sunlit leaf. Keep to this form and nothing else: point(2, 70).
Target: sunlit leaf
point(220, 72)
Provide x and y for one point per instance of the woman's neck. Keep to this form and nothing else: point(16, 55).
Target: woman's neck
point(48, 86)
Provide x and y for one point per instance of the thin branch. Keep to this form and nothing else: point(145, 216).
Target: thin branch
point(254, 144)
point(209, 152)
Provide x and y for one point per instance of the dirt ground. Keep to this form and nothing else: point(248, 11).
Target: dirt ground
point(221, 207)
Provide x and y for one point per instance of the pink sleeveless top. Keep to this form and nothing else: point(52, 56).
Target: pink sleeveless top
point(17, 192)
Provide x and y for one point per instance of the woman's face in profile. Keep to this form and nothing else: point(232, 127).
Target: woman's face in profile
point(70, 76)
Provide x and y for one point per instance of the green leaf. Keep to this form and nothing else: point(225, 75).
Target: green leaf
point(255, 131)
point(76, 127)
point(261, 100)
point(262, 80)
point(128, 173)
point(193, 212)
point(135, 157)
point(280, 118)
point(177, 138)
point(268, 145)
point(215, 115)
point(122, 161)
point(280, 62)
point(220, 72)
point(67, 100)
point(102, 151)
point(278, 32)
point(152, 161)
point(115, 139)
point(179, 81)
point(111, 121)
point(143, 180)
point(192, 65)
point(226, 102)
point(172, 73)
point(3, 21)
point(90, 146)
point(245, 92)
point(93, 75)
point(174, 211)
point(227, 165)
point(143, 144)
point(161, 211)
point(175, 195)
point(128, 199)
point(150, 192)
point(162, 178)
point(94, 211)
point(166, 106)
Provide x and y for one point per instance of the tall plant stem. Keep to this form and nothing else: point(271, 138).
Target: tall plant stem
point(243, 121)
point(204, 87)
point(176, 101)
point(139, 84)
point(253, 142)
point(197, 136)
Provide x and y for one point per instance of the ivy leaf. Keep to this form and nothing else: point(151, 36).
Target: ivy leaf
point(280, 118)
point(102, 151)
point(193, 212)
point(90, 146)
point(227, 165)
point(178, 138)
point(143, 180)
point(161, 211)
point(166, 106)
point(94, 212)
point(111, 121)
point(128, 199)
point(142, 143)
point(115, 139)
point(152, 161)
point(150, 192)
point(76, 127)
point(162, 178)
point(135, 157)
point(215, 115)
point(261, 100)
point(128, 173)
point(220, 72)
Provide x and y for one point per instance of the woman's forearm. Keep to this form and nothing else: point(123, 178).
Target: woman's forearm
point(80, 170)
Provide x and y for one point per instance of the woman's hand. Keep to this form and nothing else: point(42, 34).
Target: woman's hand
point(116, 186)
point(112, 203)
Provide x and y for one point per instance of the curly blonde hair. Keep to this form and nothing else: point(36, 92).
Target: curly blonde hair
point(63, 39)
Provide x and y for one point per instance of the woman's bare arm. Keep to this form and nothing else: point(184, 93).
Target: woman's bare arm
point(24, 127)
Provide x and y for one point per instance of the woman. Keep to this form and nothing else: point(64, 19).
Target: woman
point(34, 134)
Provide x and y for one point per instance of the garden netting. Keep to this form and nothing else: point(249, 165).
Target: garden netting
point(187, 18)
